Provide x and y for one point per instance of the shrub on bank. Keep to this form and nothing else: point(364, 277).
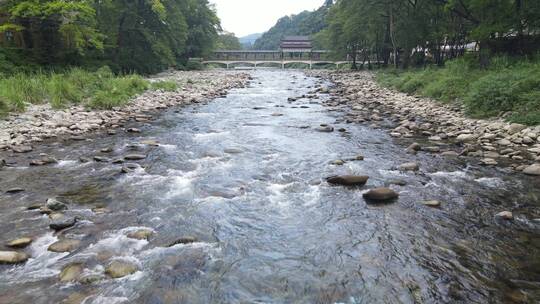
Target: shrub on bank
point(98, 90)
point(506, 86)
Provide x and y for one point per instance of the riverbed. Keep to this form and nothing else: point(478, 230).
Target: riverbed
point(234, 196)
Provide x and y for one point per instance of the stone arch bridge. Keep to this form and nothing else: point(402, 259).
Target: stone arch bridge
point(276, 58)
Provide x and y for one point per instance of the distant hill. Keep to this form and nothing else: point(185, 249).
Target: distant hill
point(248, 41)
point(306, 23)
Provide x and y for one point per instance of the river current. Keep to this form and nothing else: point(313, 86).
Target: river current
point(245, 176)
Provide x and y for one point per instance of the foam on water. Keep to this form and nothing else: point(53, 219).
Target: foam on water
point(67, 163)
point(492, 182)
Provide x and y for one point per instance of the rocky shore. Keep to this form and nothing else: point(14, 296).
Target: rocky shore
point(441, 128)
point(40, 122)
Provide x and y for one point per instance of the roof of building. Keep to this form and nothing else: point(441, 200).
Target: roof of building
point(296, 42)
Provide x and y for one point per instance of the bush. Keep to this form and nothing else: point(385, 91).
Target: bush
point(165, 85)
point(62, 91)
point(508, 85)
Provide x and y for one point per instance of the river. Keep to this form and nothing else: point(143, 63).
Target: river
point(244, 176)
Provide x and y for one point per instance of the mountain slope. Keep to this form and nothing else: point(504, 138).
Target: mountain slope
point(304, 23)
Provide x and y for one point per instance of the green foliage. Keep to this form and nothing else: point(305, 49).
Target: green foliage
point(144, 36)
point(165, 85)
point(305, 23)
point(507, 86)
point(228, 41)
point(100, 89)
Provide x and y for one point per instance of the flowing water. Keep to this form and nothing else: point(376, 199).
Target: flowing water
point(248, 184)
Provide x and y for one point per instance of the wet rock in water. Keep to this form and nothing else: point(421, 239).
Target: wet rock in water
point(77, 138)
point(450, 154)
point(63, 223)
point(150, 143)
point(128, 168)
point(348, 180)
point(13, 257)
point(338, 162)
point(141, 234)
point(65, 245)
point(119, 269)
point(21, 149)
point(118, 161)
point(432, 203)
point(233, 151)
point(414, 147)
point(84, 159)
point(56, 216)
point(71, 272)
point(359, 157)
point(135, 157)
point(133, 130)
point(505, 215)
point(91, 279)
point(2, 163)
point(325, 129)
point(183, 240)
point(45, 160)
point(397, 182)
point(19, 243)
point(14, 190)
point(106, 150)
point(409, 167)
point(101, 159)
point(532, 170)
point(380, 195)
point(342, 130)
point(55, 205)
point(277, 114)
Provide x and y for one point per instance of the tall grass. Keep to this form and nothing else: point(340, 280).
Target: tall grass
point(98, 90)
point(507, 86)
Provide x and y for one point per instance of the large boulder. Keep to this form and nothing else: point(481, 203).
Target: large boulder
point(532, 170)
point(71, 272)
point(140, 234)
point(13, 257)
point(55, 205)
point(348, 180)
point(409, 167)
point(19, 243)
point(66, 245)
point(380, 195)
point(63, 223)
point(119, 269)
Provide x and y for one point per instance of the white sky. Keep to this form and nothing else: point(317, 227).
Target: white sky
point(244, 17)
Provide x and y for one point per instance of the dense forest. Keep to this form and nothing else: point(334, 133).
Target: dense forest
point(143, 36)
point(416, 31)
point(305, 23)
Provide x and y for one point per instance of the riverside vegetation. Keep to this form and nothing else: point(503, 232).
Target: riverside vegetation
point(508, 88)
point(95, 90)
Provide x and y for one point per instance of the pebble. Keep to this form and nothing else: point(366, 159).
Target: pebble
point(134, 157)
point(432, 203)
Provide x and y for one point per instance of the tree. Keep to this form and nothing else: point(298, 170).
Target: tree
point(228, 41)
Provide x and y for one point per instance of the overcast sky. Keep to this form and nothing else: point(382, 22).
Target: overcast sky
point(244, 17)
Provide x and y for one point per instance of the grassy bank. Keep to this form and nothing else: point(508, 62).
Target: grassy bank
point(97, 90)
point(508, 87)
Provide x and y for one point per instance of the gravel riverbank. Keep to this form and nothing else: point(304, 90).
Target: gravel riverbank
point(19, 131)
point(443, 128)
